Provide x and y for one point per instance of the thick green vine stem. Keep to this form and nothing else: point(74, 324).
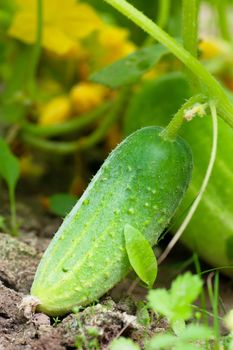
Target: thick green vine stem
point(173, 127)
point(190, 10)
point(210, 85)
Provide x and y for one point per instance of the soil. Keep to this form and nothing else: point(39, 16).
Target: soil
point(113, 316)
point(96, 324)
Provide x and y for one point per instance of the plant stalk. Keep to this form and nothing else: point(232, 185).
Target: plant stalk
point(224, 25)
point(14, 227)
point(190, 10)
point(175, 124)
point(210, 85)
point(163, 14)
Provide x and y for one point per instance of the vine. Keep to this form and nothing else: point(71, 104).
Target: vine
point(210, 86)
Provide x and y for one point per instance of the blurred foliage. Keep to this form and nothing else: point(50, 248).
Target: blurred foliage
point(61, 203)
point(150, 8)
point(111, 15)
point(69, 114)
point(157, 100)
point(130, 69)
point(68, 98)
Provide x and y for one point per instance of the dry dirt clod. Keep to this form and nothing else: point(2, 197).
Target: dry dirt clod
point(18, 262)
point(9, 301)
point(28, 306)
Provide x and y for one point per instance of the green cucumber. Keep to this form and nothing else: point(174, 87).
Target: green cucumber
point(140, 184)
point(210, 232)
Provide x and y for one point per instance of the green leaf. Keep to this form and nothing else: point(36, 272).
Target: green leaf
point(162, 341)
point(178, 327)
point(129, 69)
point(143, 316)
point(9, 166)
point(141, 255)
point(160, 301)
point(14, 101)
point(156, 102)
point(195, 332)
point(61, 203)
point(190, 334)
point(123, 344)
point(175, 304)
point(185, 346)
point(184, 291)
point(186, 288)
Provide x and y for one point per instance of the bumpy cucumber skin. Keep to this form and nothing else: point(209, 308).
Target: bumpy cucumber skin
point(141, 183)
point(210, 232)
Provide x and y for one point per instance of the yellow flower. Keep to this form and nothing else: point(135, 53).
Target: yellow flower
point(115, 44)
point(55, 111)
point(64, 23)
point(212, 47)
point(86, 96)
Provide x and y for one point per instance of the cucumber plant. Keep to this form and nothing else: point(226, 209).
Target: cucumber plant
point(138, 188)
point(135, 193)
point(201, 81)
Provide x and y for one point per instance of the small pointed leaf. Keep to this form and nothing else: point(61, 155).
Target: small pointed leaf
point(141, 255)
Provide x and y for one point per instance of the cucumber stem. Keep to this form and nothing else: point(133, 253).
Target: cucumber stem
point(190, 40)
point(171, 131)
